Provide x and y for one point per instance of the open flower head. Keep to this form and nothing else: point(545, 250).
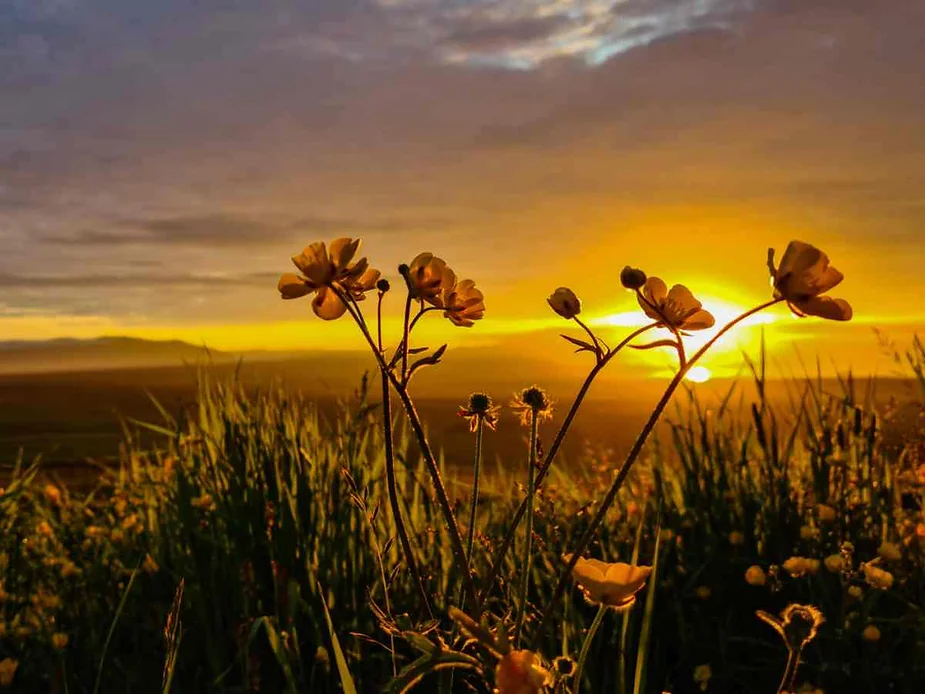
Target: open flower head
point(428, 276)
point(326, 269)
point(520, 672)
point(675, 308)
point(564, 302)
point(803, 276)
point(480, 407)
point(462, 303)
point(611, 584)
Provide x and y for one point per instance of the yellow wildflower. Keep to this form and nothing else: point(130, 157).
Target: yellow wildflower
point(52, 494)
point(428, 276)
point(676, 309)
point(462, 303)
point(520, 672)
point(611, 584)
point(150, 565)
point(59, 640)
point(835, 563)
point(43, 528)
point(564, 302)
point(736, 538)
point(703, 592)
point(856, 592)
point(825, 513)
point(890, 551)
point(877, 577)
point(803, 276)
point(702, 675)
point(326, 269)
point(807, 532)
point(755, 576)
point(871, 633)
point(203, 503)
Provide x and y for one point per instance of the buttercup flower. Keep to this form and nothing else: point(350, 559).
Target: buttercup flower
point(801, 566)
point(702, 675)
point(826, 513)
point(871, 633)
point(564, 302)
point(676, 308)
point(428, 276)
point(324, 269)
point(611, 584)
point(480, 406)
point(520, 672)
point(462, 303)
point(876, 577)
point(803, 276)
point(736, 538)
point(835, 563)
point(890, 551)
point(755, 576)
point(8, 667)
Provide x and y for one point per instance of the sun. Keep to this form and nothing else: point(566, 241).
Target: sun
point(699, 374)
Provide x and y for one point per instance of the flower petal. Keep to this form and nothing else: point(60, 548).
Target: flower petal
point(655, 290)
point(314, 263)
point(327, 305)
point(699, 320)
point(342, 251)
point(682, 300)
point(291, 286)
point(825, 307)
point(798, 258)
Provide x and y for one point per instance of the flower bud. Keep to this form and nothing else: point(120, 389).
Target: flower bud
point(755, 576)
point(564, 302)
point(632, 278)
point(383, 285)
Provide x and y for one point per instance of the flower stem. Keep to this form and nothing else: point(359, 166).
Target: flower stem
point(630, 459)
point(586, 647)
point(528, 531)
point(790, 672)
point(470, 533)
point(417, 427)
point(501, 553)
point(393, 495)
point(407, 334)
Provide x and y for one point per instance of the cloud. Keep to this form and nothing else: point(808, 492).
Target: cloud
point(101, 281)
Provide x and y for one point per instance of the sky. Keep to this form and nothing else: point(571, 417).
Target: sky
point(161, 161)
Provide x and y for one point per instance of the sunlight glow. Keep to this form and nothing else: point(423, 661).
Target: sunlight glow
point(698, 374)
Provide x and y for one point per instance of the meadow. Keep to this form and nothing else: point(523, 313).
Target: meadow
point(257, 541)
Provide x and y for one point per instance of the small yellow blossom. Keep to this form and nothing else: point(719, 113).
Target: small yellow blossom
point(890, 551)
point(520, 672)
point(803, 276)
point(835, 563)
point(43, 528)
point(117, 536)
point(611, 584)
point(755, 576)
point(8, 668)
point(871, 633)
point(428, 276)
point(52, 494)
point(203, 503)
point(807, 532)
point(59, 640)
point(68, 569)
point(564, 302)
point(326, 270)
point(736, 538)
point(877, 577)
point(856, 592)
point(666, 535)
point(676, 309)
point(797, 566)
point(703, 592)
point(462, 303)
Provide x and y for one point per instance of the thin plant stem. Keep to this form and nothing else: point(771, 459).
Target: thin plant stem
point(498, 559)
point(790, 671)
point(528, 538)
point(405, 340)
point(590, 334)
point(430, 461)
point(628, 463)
point(392, 484)
point(470, 532)
point(586, 646)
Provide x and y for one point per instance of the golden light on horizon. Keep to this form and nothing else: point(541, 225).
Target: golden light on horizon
point(699, 374)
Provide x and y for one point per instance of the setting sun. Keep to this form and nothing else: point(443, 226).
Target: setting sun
point(699, 374)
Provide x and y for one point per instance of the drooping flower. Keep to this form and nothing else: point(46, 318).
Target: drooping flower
point(803, 276)
point(564, 302)
point(675, 308)
point(428, 276)
point(520, 672)
point(461, 302)
point(325, 269)
point(612, 584)
point(480, 407)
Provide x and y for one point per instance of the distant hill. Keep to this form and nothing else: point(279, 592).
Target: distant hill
point(67, 354)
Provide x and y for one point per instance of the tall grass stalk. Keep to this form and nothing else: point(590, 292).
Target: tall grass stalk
point(528, 530)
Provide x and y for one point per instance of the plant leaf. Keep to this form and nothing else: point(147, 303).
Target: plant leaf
point(657, 343)
point(346, 679)
point(581, 344)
